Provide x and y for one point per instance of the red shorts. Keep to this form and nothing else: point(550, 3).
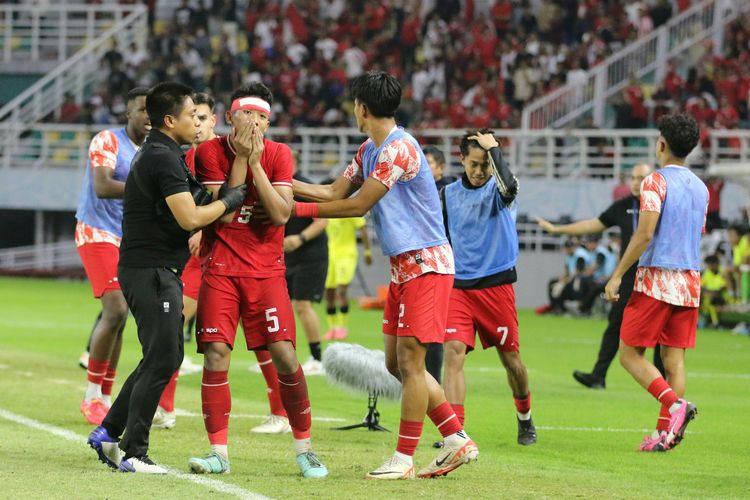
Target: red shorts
point(100, 262)
point(191, 278)
point(647, 322)
point(490, 312)
point(418, 307)
point(262, 304)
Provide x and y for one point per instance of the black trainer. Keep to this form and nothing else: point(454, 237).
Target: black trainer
point(526, 432)
point(589, 380)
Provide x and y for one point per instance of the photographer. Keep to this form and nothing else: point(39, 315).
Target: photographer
point(162, 205)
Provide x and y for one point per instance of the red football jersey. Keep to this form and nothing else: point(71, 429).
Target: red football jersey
point(244, 247)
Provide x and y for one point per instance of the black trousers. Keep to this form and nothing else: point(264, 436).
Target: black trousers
point(611, 337)
point(154, 295)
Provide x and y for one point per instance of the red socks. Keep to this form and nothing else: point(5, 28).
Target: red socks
point(108, 381)
point(523, 405)
point(217, 403)
point(408, 437)
point(663, 393)
point(272, 382)
point(293, 391)
point(167, 397)
point(445, 419)
point(97, 370)
point(459, 411)
point(664, 416)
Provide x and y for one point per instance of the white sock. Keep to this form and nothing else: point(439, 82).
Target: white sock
point(221, 450)
point(302, 446)
point(675, 406)
point(457, 438)
point(107, 399)
point(93, 391)
point(404, 458)
point(524, 416)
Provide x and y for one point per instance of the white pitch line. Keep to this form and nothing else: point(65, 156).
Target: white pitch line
point(596, 429)
point(179, 412)
point(743, 376)
point(214, 484)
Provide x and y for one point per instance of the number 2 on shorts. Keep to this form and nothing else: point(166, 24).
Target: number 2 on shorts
point(400, 315)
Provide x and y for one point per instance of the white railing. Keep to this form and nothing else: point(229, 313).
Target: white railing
point(77, 73)
point(325, 151)
point(48, 256)
point(648, 55)
point(53, 33)
point(77, 76)
point(62, 255)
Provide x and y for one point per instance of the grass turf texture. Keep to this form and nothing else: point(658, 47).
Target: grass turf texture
point(587, 439)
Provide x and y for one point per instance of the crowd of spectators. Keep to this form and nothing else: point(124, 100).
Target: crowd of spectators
point(714, 88)
point(463, 63)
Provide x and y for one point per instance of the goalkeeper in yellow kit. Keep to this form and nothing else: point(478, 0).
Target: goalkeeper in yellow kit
point(342, 264)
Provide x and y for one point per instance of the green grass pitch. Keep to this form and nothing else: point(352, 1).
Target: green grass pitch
point(587, 439)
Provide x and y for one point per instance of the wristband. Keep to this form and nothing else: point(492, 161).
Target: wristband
point(310, 210)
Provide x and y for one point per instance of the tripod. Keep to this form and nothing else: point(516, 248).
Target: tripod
point(372, 419)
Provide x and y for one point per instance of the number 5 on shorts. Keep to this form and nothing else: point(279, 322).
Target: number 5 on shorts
point(504, 331)
point(273, 327)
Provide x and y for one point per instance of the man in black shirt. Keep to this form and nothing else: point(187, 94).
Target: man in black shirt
point(159, 213)
point(624, 214)
point(306, 257)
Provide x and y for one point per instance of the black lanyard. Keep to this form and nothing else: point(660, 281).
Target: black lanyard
point(636, 208)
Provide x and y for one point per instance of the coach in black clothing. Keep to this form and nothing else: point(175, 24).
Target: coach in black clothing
point(624, 214)
point(159, 212)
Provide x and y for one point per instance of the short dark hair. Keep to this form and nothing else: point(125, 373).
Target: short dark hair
point(467, 143)
point(136, 92)
point(379, 91)
point(204, 98)
point(436, 153)
point(711, 259)
point(165, 99)
point(255, 89)
point(681, 133)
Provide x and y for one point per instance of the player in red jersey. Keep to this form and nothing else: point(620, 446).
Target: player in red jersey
point(244, 277)
point(164, 418)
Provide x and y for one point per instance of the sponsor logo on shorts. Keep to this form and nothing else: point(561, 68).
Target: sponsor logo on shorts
point(166, 307)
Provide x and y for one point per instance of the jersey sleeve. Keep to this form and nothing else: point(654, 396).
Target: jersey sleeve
point(170, 176)
point(609, 216)
point(208, 164)
point(354, 172)
point(653, 193)
point(399, 160)
point(283, 167)
point(103, 150)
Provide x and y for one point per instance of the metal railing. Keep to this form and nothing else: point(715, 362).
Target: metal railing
point(76, 74)
point(326, 151)
point(53, 33)
point(648, 55)
point(48, 256)
point(62, 255)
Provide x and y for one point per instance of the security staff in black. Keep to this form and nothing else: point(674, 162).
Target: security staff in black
point(624, 214)
point(160, 211)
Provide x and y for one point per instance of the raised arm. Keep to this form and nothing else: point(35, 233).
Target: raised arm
point(340, 189)
point(588, 226)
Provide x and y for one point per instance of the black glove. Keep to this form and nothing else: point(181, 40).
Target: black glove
point(232, 197)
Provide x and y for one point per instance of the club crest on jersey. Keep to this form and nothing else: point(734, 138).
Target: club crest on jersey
point(418, 259)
